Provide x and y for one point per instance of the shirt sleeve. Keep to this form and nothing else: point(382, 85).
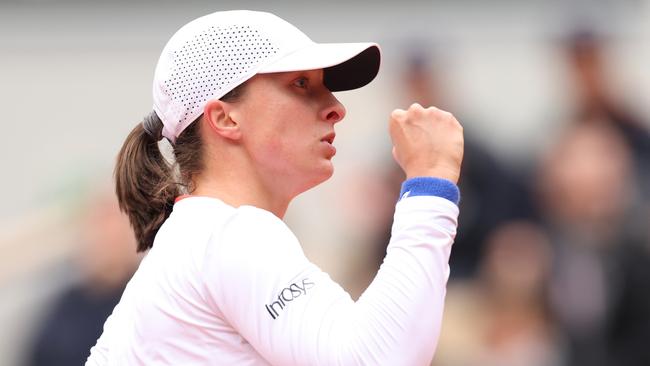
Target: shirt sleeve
point(293, 313)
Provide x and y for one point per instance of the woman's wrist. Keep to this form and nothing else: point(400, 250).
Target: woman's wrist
point(430, 186)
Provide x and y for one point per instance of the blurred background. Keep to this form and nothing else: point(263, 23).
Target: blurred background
point(550, 265)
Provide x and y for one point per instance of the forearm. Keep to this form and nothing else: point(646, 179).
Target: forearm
point(397, 319)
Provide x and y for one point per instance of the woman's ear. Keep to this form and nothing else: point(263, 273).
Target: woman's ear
point(216, 114)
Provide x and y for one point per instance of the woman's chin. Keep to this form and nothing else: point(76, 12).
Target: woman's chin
point(328, 170)
point(320, 175)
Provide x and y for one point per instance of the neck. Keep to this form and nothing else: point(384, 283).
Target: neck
point(234, 184)
point(239, 193)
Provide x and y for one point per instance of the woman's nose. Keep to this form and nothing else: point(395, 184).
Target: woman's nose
point(334, 112)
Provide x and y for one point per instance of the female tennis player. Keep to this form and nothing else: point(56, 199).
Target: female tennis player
point(246, 101)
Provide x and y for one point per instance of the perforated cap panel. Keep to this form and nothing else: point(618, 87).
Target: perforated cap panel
point(207, 65)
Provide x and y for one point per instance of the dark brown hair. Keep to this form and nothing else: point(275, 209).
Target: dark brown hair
point(147, 183)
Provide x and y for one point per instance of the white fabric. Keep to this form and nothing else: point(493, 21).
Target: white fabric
point(231, 286)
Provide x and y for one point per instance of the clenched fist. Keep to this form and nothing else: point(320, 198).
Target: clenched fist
point(427, 142)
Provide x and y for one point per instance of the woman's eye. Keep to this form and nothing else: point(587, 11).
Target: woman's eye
point(301, 82)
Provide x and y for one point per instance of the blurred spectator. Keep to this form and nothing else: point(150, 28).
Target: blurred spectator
point(490, 196)
point(502, 317)
point(601, 274)
point(105, 262)
point(490, 192)
point(596, 102)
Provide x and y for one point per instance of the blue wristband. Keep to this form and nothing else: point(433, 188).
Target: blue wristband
point(430, 186)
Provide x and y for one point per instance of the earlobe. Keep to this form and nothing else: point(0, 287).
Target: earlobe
point(217, 115)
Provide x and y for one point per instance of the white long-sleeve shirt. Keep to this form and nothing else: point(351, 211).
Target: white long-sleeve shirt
point(232, 286)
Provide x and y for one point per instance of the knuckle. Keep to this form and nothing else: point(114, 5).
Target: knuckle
point(397, 114)
point(446, 115)
point(415, 108)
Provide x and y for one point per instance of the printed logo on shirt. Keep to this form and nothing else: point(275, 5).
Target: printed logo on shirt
point(288, 294)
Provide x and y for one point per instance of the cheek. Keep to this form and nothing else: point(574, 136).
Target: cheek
point(285, 136)
point(287, 147)
point(274, 148)
point(281, 131)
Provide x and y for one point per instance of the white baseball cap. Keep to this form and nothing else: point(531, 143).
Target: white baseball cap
point(211, 55)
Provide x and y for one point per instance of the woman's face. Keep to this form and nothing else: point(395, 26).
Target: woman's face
point(287, 123)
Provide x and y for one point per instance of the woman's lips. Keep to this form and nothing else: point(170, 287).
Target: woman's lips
point(328, 141)
point(329, 138)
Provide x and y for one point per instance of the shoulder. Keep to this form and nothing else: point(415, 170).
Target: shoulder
point(251, 230)
point(253, 238)
point(249, 217)
point(253, 255)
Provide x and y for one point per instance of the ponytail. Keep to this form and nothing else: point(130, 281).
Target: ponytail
point(144, 182)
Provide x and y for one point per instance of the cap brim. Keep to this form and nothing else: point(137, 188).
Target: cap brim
point(346, 66)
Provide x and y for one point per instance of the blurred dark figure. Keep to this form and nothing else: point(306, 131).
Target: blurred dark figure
point(502, 317)
point(601, 271)
point(105, 262)
point(490, 191)
point(595, 102)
